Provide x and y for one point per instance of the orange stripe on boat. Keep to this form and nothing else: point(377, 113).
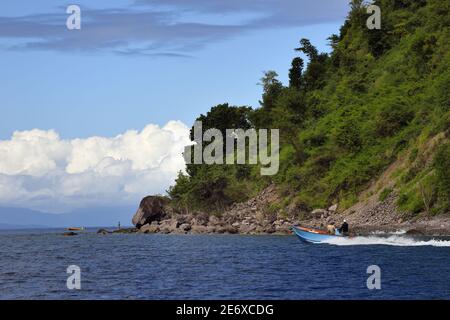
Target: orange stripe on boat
point(313, 230)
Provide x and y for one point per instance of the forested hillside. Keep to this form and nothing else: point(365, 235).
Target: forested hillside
point(380, 97)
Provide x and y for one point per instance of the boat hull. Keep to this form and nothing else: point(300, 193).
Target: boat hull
point(74, 229)
point(313, 235)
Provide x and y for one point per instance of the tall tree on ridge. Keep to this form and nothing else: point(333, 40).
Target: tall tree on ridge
point(295, 73)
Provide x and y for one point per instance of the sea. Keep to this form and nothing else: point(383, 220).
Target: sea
point(45, 265)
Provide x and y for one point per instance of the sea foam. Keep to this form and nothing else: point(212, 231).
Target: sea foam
point(392, 240)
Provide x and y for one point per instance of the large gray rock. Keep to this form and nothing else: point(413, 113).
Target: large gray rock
point(149, 228)
point(317, 213)
point(126, 230)
point(103, 231)
point(333, 208)
point(169, 226)
point(414, 232)
point(185, 227)
point(213, 220)
point(199, 229)
point(152, 208)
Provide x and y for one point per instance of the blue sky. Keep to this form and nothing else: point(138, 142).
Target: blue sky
point(144, 69)
point(92, 91)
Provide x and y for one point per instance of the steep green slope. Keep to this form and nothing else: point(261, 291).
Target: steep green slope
point(380, 96)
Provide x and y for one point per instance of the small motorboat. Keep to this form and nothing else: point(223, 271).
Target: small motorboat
point(314, 235)
point(75, 229)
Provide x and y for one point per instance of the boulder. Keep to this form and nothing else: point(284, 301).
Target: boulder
point(317, 213)
point(259, 216)
point(168, 226)
point(199, 229)
point(230, 230)
point(219, 230)
point(70, 234)
point(333, 208)
point(185, 227)
point(414, 232)
point(149, 228)
point(247, 229)
point(126, 230)
point(213, 220)
point(210, 229)
point(103, 231)
point(200, 218)
point(151, 208)
point(270, 229)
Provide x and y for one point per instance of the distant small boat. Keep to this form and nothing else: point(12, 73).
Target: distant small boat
point(314, 235)
point(75, 229)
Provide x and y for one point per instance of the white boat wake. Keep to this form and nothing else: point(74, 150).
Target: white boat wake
point(398, 232)
point(393, 240)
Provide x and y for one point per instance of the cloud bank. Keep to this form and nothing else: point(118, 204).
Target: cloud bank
point(39, 170)
point(171, 28)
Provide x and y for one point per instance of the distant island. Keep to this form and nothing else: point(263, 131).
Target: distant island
point(22, 218)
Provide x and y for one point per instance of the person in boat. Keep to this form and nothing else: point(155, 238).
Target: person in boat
point(331, 229)
point(344, 228)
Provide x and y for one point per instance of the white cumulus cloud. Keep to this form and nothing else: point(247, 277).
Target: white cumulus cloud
point(39, 170)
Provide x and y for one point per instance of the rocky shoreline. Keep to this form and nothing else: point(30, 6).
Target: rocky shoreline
point(156, 215)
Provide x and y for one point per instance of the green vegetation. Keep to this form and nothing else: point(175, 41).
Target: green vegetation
point(442, 178)
point(384, 194)
point(347, 116)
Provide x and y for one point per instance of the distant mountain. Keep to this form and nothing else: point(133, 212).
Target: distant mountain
point(6, 226)
point(16, 218)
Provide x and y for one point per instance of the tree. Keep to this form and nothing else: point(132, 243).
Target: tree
point(272, 88)
point(316, 67)
point(315, 73)
point(289, 115)
point(295, 73)
point(224, 116)
point(307, 48)
point(379, 40)
point(212, 187)
point(333, 41)
point(181, 190)
point(221, 117)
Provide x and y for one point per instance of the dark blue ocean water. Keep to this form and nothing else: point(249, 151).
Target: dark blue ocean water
point(33, 266)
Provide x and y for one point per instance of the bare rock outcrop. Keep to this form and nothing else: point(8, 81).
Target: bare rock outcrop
point(150, 228)
point(151, 208)
point(156, 215)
